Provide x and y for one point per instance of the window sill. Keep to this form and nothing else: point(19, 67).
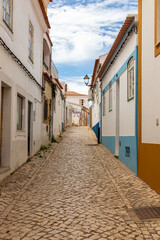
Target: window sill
point(21, 133)
point(30, 59)
point(10, 29)
point(129, 99)
point(45, 122)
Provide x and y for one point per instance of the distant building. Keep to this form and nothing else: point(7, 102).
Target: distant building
point(77, 98)
point(79, 104)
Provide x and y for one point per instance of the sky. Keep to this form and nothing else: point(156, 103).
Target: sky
point(81, 31)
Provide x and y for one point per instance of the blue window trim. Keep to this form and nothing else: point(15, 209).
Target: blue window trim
point(121, 71)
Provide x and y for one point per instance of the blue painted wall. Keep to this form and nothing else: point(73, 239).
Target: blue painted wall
point(126, 141)
point(95, 129)
point(109, 142)
point(131, 162)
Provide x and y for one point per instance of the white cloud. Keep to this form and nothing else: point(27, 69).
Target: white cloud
point(83, 32)
point(76, 84)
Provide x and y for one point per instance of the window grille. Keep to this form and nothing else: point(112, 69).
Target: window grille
point(7, 12)
point(130, 79)
point(30, 42)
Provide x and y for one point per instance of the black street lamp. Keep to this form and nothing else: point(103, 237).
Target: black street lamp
point(86, 80)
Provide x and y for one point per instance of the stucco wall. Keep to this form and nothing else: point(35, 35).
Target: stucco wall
point(150, 78)
point(75, 99)
point(122, 133)
point(15, 80)
point(58, 116)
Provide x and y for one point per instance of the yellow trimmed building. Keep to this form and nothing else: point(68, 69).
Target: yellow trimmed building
point(149, 92)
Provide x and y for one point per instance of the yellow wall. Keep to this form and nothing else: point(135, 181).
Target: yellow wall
point(47, 96)
point(48, 90)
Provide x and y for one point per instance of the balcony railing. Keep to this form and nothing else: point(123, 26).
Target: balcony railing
point(53, 65)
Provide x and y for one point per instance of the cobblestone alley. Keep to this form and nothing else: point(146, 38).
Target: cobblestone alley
point(75, 191)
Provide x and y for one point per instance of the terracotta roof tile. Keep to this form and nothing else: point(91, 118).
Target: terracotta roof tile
point(48, 77)
point(44, 12)
point(116, 43)
point(71, 93)
point(94, 72)
point(59, 84)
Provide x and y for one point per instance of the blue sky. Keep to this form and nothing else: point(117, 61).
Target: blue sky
point(82, 30)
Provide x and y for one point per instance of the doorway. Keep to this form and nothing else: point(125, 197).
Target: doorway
point(29, 127)
point(5, 126)
point(1, 119)
point(50, 120)
point(117, 120)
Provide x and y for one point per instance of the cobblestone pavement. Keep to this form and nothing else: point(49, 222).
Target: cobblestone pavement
point(74, 191)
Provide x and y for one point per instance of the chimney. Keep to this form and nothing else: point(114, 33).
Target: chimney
point(65, 87)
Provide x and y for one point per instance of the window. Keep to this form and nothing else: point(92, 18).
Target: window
point(31, 41)
point(7, 12)
point(110, 97)
point(81, 102)
point(157, 27)
point(45, 117)
point(130, 79)
point(20, 101)
point(104, 104)
point(46, 55)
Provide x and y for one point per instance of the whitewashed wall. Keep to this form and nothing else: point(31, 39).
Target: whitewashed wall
point(75, 99)
point(96, 105)
point(127, 109)
point(18, 82)
point(97, 93)
point(58, 114)
point(150, 78)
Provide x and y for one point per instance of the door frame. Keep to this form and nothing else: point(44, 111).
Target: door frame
point(117, 118)
point(30, 128)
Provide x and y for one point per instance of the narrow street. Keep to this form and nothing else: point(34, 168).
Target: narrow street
point(75, 191)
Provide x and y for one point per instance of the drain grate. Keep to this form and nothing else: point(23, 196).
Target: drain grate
point(92, 145)
point(147, 212)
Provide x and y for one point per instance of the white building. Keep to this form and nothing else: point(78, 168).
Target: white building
point(59, 104)
point(68, 115)
point(79, 104)
point(77, 98)
point(119, 98)
point(95, 91)
point(23, 25)
point(149, 92)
